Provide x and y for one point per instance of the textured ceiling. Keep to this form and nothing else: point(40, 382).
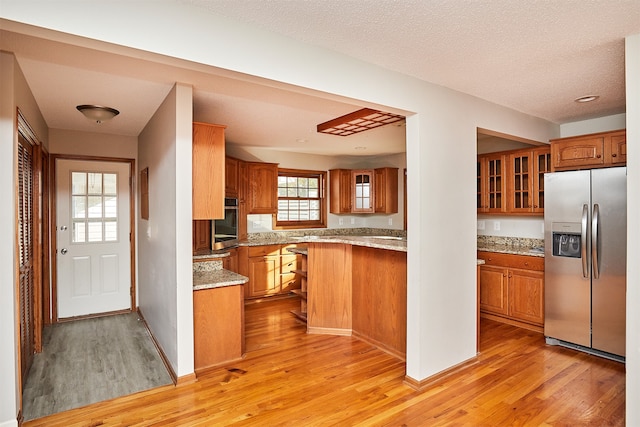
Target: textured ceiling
point(533, 56)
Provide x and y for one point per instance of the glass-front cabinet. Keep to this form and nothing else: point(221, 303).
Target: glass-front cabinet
point(526, 180)
point(491, 183)
point(363, 191)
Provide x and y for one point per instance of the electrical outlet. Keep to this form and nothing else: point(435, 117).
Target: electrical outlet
point(341, 221)
point(390, 221)
point(496, 225)
point(353, 221)
point(480, 224)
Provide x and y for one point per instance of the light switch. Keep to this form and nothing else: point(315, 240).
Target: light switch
point(496, 225)
point(480, 224)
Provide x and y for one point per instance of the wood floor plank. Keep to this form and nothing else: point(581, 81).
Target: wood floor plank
point(290, 378)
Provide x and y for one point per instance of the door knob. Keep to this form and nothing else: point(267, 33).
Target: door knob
point(63, 251)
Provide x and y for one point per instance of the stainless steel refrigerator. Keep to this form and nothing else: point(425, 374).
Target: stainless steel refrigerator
point(585, 230)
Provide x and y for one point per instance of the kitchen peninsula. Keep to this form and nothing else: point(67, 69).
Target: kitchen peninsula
point(357, 285)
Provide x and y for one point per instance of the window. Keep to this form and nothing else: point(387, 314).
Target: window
point(301, 201)
point(94, 207)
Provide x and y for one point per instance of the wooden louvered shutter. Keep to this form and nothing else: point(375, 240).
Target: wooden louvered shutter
point(26, 253)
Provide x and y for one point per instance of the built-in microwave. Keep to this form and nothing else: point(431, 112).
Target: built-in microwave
point(225, 231)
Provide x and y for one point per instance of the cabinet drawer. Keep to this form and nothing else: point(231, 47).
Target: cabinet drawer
point(512, 261)
point(264, 250)
point(288, 263)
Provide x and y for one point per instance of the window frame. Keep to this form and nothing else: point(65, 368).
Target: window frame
point(302, 173)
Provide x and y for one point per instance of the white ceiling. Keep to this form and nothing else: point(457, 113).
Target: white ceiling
point(535, 57)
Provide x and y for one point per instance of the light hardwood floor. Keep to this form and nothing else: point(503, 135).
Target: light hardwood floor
point(295, 379)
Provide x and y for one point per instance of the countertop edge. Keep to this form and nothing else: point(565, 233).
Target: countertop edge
point(512, 250)
point(217, 279)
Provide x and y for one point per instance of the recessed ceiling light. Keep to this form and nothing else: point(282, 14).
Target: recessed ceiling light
point(301, 140)
point(587, 98)
point(361, 148)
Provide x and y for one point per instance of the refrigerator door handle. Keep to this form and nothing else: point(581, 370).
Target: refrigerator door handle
point(594, 241)
point(583, 238)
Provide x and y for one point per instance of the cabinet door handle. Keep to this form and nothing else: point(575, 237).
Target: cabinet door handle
point(598, 156)
point(614, 155)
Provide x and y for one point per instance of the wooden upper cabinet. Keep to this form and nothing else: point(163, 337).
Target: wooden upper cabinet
point(231, 177)
point(589, 151)
point(492, 183)
point(340, 191)
point(526, 171)
point(243, 190)
point(208, 171)
point(386, 190)
point(263, 188)
point(617, 148)
point(362, 191)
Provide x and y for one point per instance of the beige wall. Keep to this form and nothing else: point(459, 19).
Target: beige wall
point(92, 144)
point(15, 94)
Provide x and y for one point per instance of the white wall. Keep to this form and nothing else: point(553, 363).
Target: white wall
point(9, 365)
point(531, 227)
point(63, 141)
point(15, 93)
point(162, 282)
point(600, 124)
point(632, 58)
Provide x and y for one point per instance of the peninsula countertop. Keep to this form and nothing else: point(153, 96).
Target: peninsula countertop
point(394, 243)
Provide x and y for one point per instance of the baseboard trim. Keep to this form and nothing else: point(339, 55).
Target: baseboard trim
point(92, 316)
point(163, 356)
point(523, 325)
point(380, 346)
point(186, 379)
point(420, 385)
point(329, 331)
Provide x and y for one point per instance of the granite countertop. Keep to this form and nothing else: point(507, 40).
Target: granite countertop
point(511, 245)
point(220, 253)
point(383, 240)
point(211, 275)
point(212, 279)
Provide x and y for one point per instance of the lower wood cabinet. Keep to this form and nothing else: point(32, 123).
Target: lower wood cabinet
point(218, 326)
point(270, 269)
point(512, 289)
point(231, 262)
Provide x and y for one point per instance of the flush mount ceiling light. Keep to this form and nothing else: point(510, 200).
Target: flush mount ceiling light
point(587, 98)
point(97, 113)
point(358, 121)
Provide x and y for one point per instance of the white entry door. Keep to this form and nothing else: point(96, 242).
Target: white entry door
point(93, 226)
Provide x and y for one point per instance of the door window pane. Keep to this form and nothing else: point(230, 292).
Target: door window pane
point(94, 207)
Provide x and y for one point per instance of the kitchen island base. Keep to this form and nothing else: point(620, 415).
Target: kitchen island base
point(360, 291)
